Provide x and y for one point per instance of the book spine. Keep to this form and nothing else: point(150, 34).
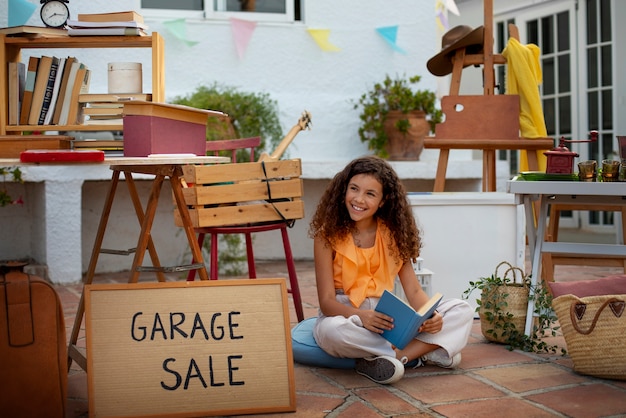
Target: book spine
point(47, 98)
point(16, 74)
point(55, 92)
point(29, 88)
point(80, 86)
point(111, 17)
point(62, 90)
point(43, 72)
point(106, 32)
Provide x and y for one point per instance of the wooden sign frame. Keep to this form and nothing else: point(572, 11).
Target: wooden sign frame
point(182, 349)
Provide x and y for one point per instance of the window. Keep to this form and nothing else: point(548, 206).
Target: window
point(259, 10)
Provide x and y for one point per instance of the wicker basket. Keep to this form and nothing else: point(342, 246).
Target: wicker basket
point(514, 295)
point(594, 328)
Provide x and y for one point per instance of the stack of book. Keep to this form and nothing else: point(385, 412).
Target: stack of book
point(27, 31)
point(106, 109)
point(110, 147)
point(49, 93)
point(128, 23)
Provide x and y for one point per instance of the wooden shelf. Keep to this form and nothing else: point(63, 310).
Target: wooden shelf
point(84, 42)
point(44, 128)
point(10, 51)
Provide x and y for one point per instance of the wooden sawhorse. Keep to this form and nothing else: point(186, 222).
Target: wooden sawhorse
point(160, 168)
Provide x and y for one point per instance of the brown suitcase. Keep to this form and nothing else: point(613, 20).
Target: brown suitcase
point(33, 350)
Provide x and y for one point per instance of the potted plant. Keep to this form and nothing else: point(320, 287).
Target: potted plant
point(502, 309)
point(395, 117)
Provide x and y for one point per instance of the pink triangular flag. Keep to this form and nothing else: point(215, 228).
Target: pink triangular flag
point(242, 33)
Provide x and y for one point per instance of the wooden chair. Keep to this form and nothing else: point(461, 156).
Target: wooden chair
point(245, 198)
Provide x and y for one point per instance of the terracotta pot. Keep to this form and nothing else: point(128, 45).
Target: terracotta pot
point(403, 146)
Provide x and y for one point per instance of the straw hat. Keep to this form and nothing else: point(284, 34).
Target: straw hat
point(458, 37)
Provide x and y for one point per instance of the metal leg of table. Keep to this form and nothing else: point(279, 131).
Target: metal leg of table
point(531, 231)
point(536, 262)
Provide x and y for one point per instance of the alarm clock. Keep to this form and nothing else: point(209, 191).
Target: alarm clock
point(54, 13)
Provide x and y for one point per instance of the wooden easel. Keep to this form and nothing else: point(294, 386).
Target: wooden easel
point(466, 140)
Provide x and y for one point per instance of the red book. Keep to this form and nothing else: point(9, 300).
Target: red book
point(61, 156)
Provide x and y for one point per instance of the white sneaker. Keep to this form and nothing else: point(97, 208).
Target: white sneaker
point(440, 357)
point(381, 369)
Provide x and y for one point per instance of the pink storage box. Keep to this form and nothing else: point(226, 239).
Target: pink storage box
point(159, 128)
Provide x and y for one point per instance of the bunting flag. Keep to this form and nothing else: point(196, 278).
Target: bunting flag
point(451, 7)
point(321, 38)
point(442, 21)
point(178, 28)
point(242, 33)
point(389, 34)
point(20, 11)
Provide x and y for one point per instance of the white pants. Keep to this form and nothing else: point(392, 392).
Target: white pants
point(346, 337)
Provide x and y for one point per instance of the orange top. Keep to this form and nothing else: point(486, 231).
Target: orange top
point(365, 272)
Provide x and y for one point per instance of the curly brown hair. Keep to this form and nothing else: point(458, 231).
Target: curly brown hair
point(332, 221)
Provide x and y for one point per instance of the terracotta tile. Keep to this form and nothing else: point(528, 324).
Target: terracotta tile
point(593, 400)
point(307, 406)
point(489, 354)
point(618, 383)
point(445, 388)
point(503, 407)
point(358, 409)
point(527, 377)
point(77, 408)
point(347, 378)
point(308, 380)
point(385, 401)
point(77, 385)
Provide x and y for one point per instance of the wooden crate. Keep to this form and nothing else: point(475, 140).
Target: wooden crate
point(242, 193)
point(12, 145)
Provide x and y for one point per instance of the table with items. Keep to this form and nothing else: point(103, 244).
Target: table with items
point(591, 195)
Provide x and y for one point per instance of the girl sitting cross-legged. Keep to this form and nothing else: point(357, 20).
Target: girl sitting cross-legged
point(365, 236)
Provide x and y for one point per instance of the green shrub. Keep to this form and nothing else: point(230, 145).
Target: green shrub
point(251, 114)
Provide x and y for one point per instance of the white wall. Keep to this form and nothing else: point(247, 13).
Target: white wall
point(281, 60)
point(284, 61)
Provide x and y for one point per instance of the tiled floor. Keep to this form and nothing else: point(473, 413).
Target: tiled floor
point(490, 382)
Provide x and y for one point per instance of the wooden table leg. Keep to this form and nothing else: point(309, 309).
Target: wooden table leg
point(196, 251)
point(442, 168)
point(132, 189)
point(489, 170)
point(72, 351)
point(146, 227)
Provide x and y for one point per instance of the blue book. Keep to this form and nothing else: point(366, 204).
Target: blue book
point(406, 320)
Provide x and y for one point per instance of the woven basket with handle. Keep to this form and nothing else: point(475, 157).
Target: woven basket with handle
point(594, 328)
point(512, 299)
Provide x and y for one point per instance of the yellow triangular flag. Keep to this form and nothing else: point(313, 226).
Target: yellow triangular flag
point(321, 38)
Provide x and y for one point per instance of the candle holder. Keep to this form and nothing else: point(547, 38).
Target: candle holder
point(610, 170)
point(587, 170)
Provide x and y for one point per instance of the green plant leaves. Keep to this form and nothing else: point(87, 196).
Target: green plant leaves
point(393, 94)
point(494, 308)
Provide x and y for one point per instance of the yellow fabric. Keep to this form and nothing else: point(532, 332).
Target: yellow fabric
point(365, 272)
point(523, 77)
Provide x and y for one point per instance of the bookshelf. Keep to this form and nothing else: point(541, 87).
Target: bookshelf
point(10, 51)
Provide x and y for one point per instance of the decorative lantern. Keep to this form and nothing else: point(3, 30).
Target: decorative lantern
point(561, 159)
